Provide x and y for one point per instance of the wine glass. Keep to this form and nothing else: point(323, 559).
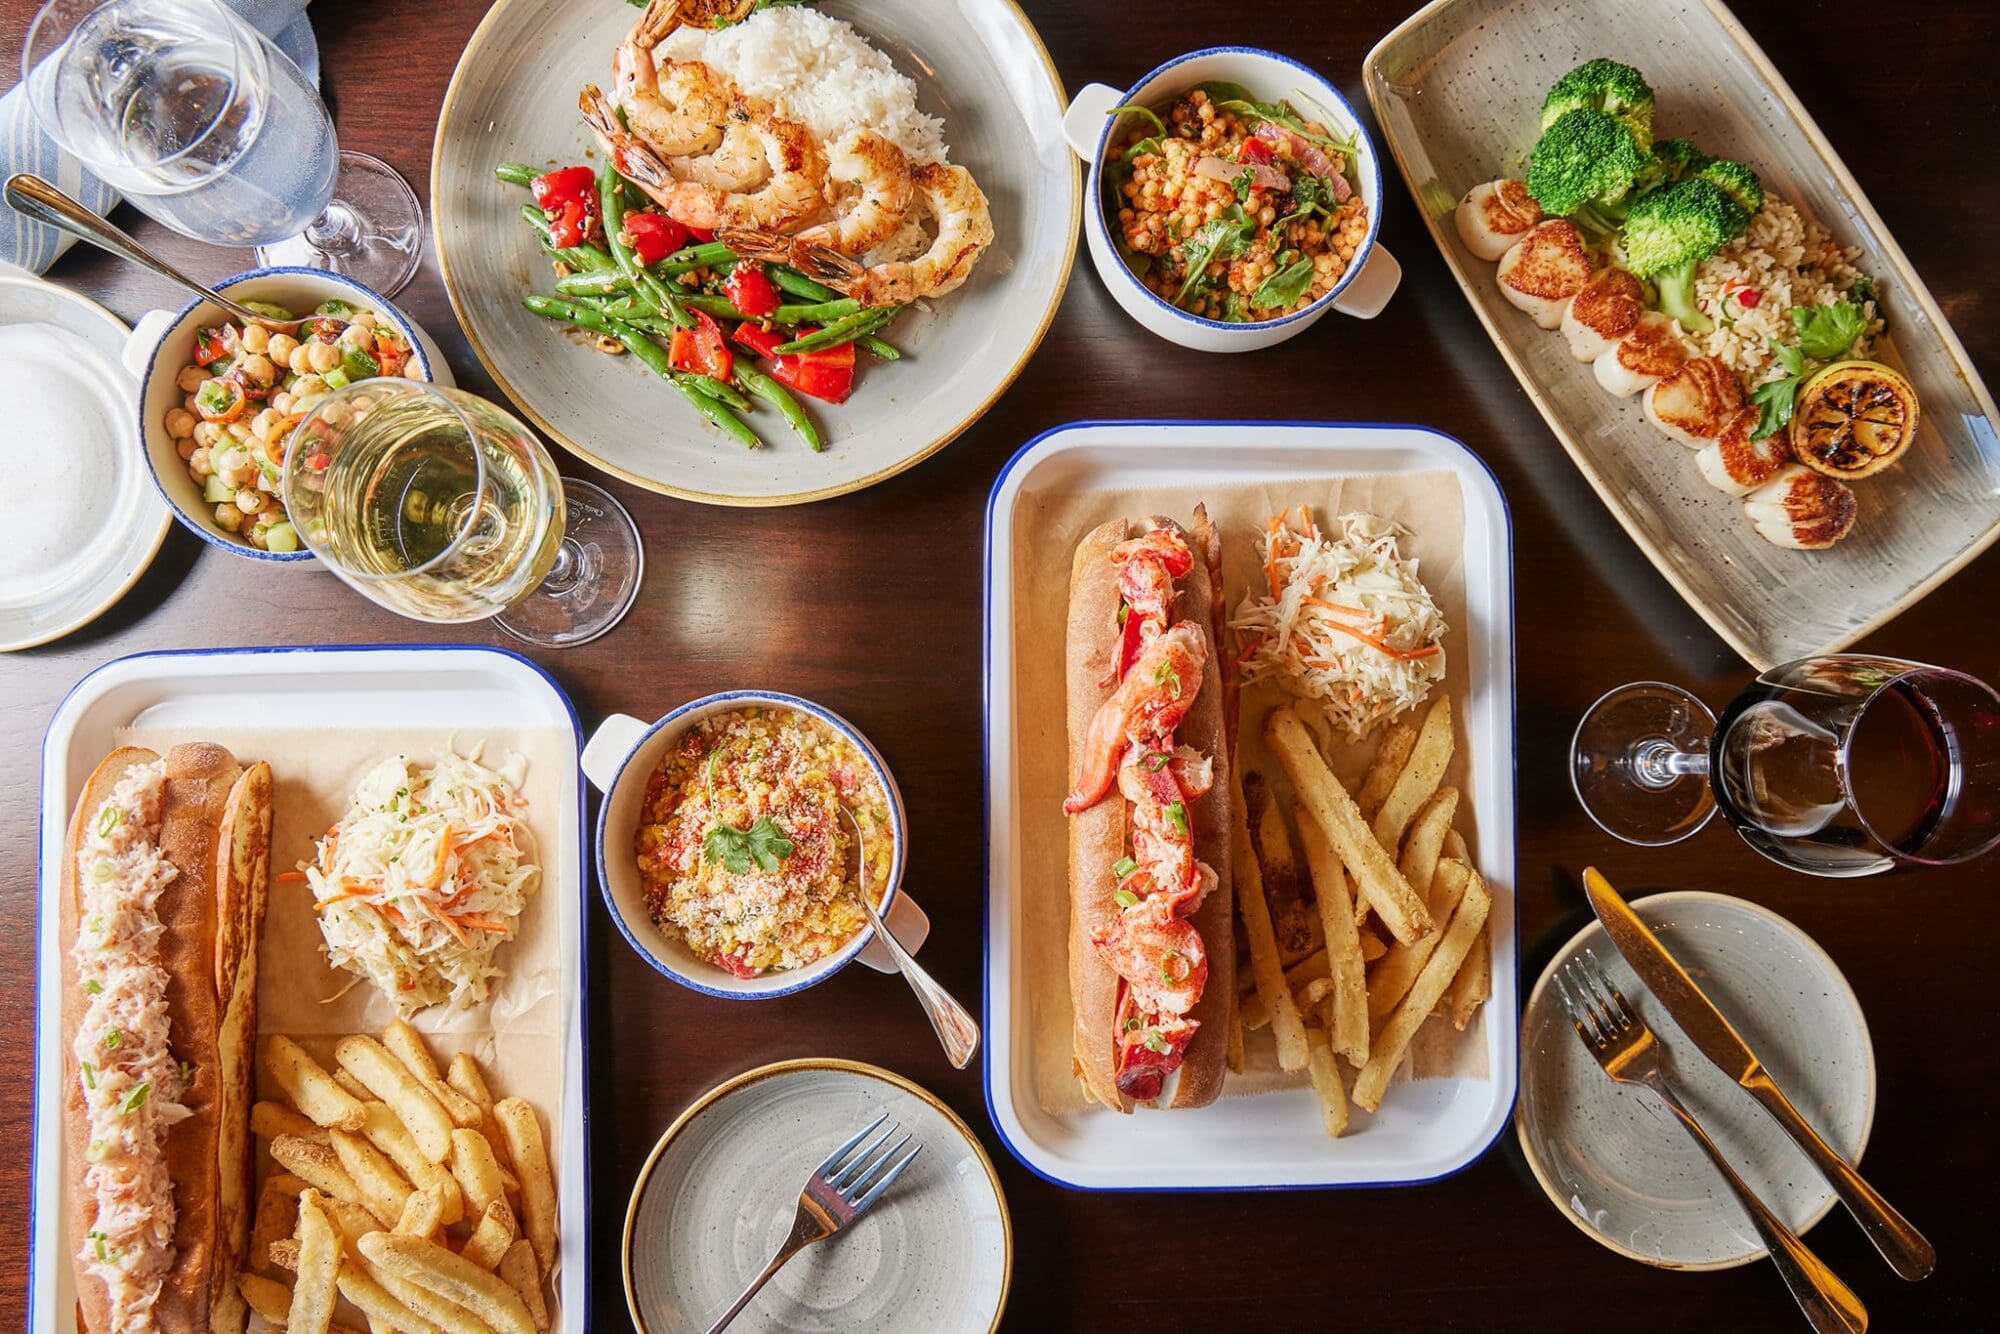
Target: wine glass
point(1839, 765)
point(197, 119)
point(442, 507)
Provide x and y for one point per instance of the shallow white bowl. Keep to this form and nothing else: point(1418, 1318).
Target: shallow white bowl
point(620, 759)
point(161, 345)
point(1090, 128)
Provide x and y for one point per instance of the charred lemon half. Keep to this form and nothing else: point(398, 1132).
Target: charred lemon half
point(1853, 419)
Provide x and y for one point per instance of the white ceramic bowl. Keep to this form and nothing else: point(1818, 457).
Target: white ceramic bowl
point(160, 346)
point(1089, 126)
point(621, 757)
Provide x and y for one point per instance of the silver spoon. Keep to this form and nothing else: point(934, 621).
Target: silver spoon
point(956, 1029)
point(33, 197)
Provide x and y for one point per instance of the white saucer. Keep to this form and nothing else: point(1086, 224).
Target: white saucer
point(79, 518)
point(1615, 1161)
point(716, 1198)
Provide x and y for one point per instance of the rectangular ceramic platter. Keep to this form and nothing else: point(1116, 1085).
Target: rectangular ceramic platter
point(1458, 91)
point(284, 690)
point(1425, 1128)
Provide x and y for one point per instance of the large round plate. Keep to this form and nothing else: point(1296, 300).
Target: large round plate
point(79, 518)
point(716, 1199)
point(977, 63)
point(1619, 1166)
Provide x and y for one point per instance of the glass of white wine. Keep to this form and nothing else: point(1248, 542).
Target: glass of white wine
point(443, 507)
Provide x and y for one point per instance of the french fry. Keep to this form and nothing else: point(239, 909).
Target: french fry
point(317, 1165)
point(524, 1276)
point(1390, 755)
point(391, 1081)
point(490, 1240)
point(463, 1075)
point(1326, 1083)
point(1425, 842)
point(383, 1190)
point(423, 1213)
point(388, 1134)
point(444, 1315)
point(1313, 994)
point(285, 1254)
point(384, 1312)
point(311, 1089)
point(1474, 983)
point(353, 1221)
point(1402, 965)
point(1454, 847)
point(268, 1120)
point(1347, 1014)
point(452, 1277)
point(288, 1184)
point(1286, 1025)
point(1420, 777)
point(1372, 947)
point(1292, 924)
point(1323, 799)
point(1298, 977)
point(354, 1087)
point(477, 1174)
point(318, 1268)
point(523, 1134)
point(407, 1046)
point(277, 1217)
point(1467, 924)
point(266, 1297)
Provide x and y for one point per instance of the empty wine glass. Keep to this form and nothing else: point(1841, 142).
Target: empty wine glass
point(1838, 765)
point(198, 120)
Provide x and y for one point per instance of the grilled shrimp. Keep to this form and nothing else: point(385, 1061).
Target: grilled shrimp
point(964, 228)
point(738, 163)
point(790, 195)
point(677, 107)
point(885, 190)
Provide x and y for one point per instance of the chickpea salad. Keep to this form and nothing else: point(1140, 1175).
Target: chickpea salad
point(1233, 209)
point(243, 390)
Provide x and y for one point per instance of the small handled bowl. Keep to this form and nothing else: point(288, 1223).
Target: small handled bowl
point(620, 759)
point(161, 345)
point(1091, 128)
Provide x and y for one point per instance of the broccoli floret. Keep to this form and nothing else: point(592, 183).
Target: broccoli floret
point(1671, 231)
point(1737, 181)
point(1607, 86)
point(1586, 157)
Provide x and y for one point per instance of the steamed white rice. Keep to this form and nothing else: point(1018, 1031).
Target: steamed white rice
point(1790, 260)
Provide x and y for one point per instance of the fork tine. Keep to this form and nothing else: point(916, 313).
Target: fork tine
point(871, 1153)
point(841, 1152)
point(1616, 1017)
point(1585, 1011)
point(888, 1178)
point(1623, 1008)
point(867, 1178)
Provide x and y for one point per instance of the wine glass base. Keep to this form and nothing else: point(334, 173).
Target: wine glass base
point(1639, 763)
point(372, 232)
point(595, 580)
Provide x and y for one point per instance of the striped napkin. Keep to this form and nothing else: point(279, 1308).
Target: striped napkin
point(23, 147)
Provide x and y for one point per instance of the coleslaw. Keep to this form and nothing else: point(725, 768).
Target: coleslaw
point(1343, 620)
point(425, 876)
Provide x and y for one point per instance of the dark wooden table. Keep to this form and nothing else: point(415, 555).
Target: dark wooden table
point(871, 603)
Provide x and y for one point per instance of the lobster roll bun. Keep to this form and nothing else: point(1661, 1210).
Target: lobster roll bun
point(1151, 953)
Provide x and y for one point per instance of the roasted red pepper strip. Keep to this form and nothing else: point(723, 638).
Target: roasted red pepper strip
point(826, 373)
point(701, 349)
point(654, 236)
point(567, 197)
point(1253, 150)
point(749, 290)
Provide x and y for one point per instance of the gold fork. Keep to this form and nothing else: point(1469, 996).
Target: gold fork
point(1630, 1054)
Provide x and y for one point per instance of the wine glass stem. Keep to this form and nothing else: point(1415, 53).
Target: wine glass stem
point(336, 231)
point(1657, 762)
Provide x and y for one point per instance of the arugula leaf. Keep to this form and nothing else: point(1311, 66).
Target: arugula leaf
point(1159, 126)
point(1826, 332)
point(1240, 183)
point(1232, 308)
point(1284, 287)
point(763, 842)
point(1224, 237)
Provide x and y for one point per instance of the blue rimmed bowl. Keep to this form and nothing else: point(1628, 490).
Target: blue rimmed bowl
point(162, 344)
point(1092, 126)
point(621, 758)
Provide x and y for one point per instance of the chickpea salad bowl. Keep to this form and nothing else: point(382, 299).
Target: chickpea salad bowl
point(219, 397)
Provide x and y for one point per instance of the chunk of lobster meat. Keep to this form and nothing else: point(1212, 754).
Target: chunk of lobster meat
point(1147, 567)
point(1149, 1048)
point(1158, 953)
point(1146, 706)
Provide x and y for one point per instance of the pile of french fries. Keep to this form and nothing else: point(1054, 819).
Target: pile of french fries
point(407, 1191)
point(1328, 981)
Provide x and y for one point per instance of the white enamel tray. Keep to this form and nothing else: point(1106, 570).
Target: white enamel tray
point(1426, 1129)
point(285, 689)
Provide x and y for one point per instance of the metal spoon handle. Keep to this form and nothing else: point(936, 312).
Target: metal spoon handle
point(956, 1028)
point(35, 198)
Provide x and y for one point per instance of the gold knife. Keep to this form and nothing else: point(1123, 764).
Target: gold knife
point(1900, 1244)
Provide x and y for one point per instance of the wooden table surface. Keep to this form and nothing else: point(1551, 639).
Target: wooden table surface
point(871, 604)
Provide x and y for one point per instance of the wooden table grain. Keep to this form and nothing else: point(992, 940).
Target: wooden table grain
point(871, 604)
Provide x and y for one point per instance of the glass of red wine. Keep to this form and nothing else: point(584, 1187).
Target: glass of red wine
point(1838, 765)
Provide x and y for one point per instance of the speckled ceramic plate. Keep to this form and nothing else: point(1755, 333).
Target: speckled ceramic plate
point(977, 63)
point(716, 1199)
point(1616, 1162)
point(1458, 89)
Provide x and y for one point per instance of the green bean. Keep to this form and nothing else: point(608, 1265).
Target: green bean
point(582, 258)
point(840, 331)
point(718, 390)
point(821, 312)
point(764, 387)
point(600, 283)
point(701, 256)
point(721, 307)
point(791, 280)
point(611, 206)
point(515, 173)
point(878, 348)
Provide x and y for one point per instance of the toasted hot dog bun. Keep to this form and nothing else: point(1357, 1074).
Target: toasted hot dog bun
point(1097, 835)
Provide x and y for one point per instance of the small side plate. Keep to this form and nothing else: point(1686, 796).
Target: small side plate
point(1611, 1157)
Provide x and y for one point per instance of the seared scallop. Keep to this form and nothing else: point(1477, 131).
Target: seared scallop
point(1608, 308)
point(1801, 509)
point(1650, 351)
point(1695, 403)
point(1735, 463)
point(1493, 216)
point(1544, 270)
